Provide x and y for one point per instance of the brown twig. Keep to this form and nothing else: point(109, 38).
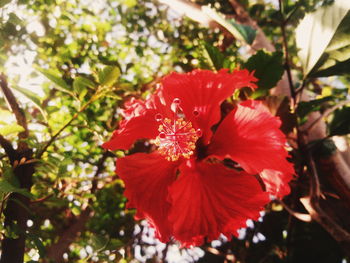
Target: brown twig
point(17, 111)
point(17, 208)
point(7, 147)
point(315, 189)
point(298, 215)
point(317, 214)
point(326, 113)
point(286, 56)
point(43, 199)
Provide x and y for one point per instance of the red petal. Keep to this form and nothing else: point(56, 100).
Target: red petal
point(250, 135)
point(209, 199)
point(276, 181)
point(138, 123)
point(147, 178)
point(203, 91)
point(140, 127)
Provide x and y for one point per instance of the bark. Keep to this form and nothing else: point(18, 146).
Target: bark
point(17, 207)
point(69, 235)
point(17, 214)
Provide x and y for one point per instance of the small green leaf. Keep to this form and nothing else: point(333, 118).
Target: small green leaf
point(213, 56)
point(129, 3)
point(11, 129)
point(40, 246)
point(55, 78)
point(33, 98)
point(247, 32)
point(81, 86)
point(322, 148)
point(306, 107)
point(14, 19)
point(82, 82)
point(108, 76)
point(316, 30)
point(268, 68)
point(76, 211)
point(340, 124)
point(115, 243)
point(240, 32)
point(99, 242)
point(6, 187)
point(4, 2)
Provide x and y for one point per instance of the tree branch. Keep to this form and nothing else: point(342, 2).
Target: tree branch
point(326, 113)
point(319, 215)
point(17, 111)
point(16, 211)
point(11, 153)
point(286, 56)
point(298, 215)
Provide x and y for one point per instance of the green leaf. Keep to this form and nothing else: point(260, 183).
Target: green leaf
point(14, 19)
point(129, 3)
point(268, 68)
point(115, 243)
point(336, 58)
point(247, 32)
point(316, 31)
point(11, 129)
point(6, 187)
point(82, 82)
point(33, 98)
point(99, 242)
point(81, 85)
point(213, 56)
point(109, 75)
point(322, 148)
point(40, 246)
point(56, 79)
point(4, 2)
point(240, 32)
point(306, 107)
point(340, 124)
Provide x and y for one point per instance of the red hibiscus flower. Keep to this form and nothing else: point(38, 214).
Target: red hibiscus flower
point(200, 181)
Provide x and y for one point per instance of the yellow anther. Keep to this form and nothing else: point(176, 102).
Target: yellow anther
point(177, 138)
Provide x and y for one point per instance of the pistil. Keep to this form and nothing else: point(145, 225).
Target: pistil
point(177, 137)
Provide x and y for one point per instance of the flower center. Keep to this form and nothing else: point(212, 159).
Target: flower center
point(177, 137)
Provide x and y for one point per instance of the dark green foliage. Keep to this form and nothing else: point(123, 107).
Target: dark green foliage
point(214, 57)
point(305, 108)
point(246, 32)
point(340, 124)
point(267, 67)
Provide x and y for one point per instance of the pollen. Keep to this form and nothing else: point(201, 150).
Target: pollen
point(177, 137)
